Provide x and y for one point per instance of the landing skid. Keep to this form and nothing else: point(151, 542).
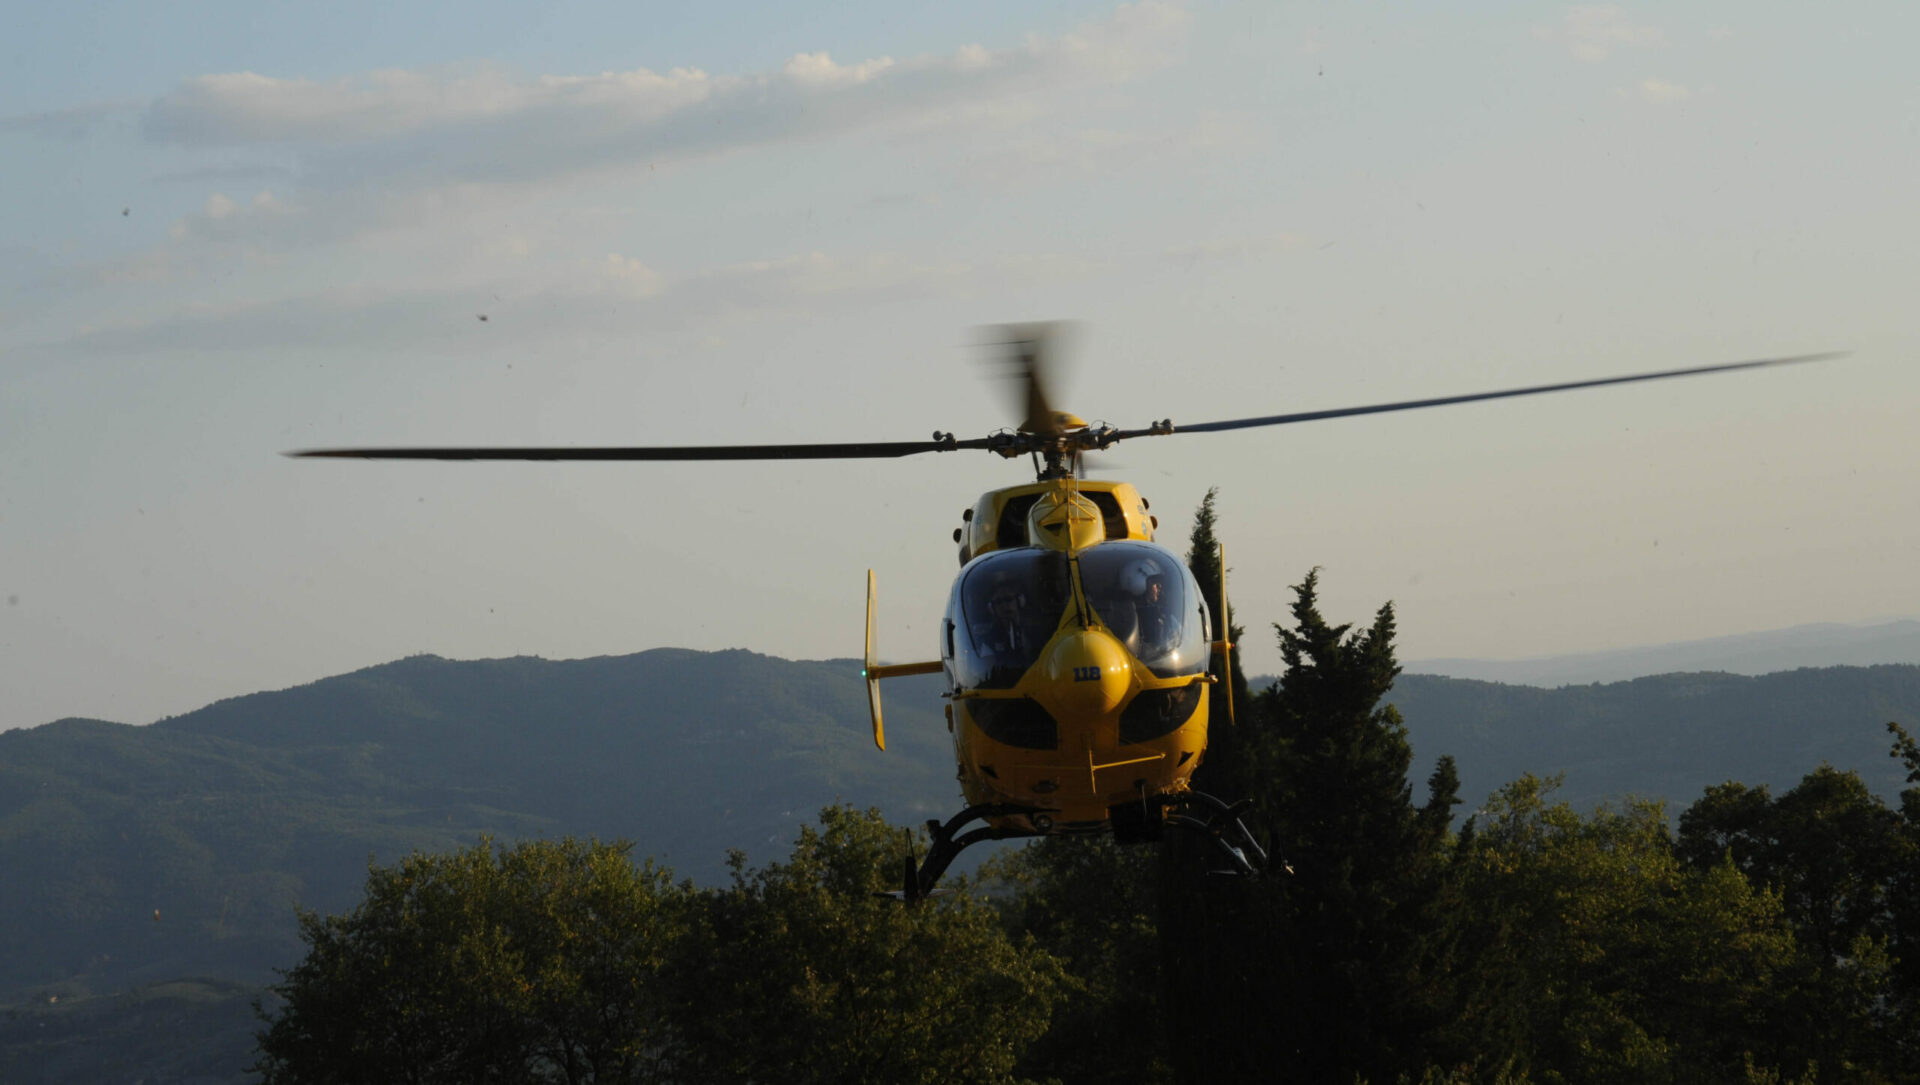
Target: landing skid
point(917, 884)
point(1132, 822)
point(1220, 824)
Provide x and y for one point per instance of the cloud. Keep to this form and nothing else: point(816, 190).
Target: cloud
point(819, 70)
point(629, 116)
point(150, 265)
point(71, 123)
point(357, 318)
point(1659, 91)
point(365, 147)
point(1591, 32)
point(223, 217)
point(1038, 157)
point(246, 108)
point(231, 173)
point(614, 295)
point(633, 275)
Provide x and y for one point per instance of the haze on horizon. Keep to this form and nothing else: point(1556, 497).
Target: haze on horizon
point(250, 229)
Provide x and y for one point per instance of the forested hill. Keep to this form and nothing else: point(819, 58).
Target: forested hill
point(224, 818)
point(1667, 737)
point(138, 856)
point(1822, 645)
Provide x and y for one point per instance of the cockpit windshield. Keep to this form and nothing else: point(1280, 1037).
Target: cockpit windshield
point(1148, 599)
point(1009, 603)
point(1004, 610)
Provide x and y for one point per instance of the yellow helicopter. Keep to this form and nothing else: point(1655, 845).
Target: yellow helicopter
point(1077, 652)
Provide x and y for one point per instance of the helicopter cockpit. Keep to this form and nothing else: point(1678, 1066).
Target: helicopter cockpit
point(1004, 610)
point(1008, 604)
point(1148, 599)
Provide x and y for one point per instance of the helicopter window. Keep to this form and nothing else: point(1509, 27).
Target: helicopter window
point(1146, 597)
point(1156, 712)
point(1006, 606)
point(1011, 532)
point(1112, 518)
point(1018, 722)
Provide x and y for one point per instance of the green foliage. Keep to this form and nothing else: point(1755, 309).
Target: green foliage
point(1844, 866)
point(1223, 770)
point(799, 972)
point(533, 964)
point(1776, 940)
point(1203, 560)
point(1903, 894)
point(1905, 750)
point(1335, 970)
point(220, 818)
point(563, 962)
point(1828, 846)
point(1092, 904)
point(1588, 952)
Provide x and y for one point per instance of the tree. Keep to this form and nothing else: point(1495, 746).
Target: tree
point(1363, 905)
point(1590, 953)
point(799, 972)
point(1336, 970)
point(563, 962)
point(1836, 856)
point(1829, 846)
point(1904, 895)
point(538, 963)
point(1731, 822)
point(1220, 773)
point(1090, 902)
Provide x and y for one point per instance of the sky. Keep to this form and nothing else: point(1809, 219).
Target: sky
point(234, 229)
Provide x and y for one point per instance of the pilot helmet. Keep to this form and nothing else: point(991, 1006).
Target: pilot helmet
point(1136, 575)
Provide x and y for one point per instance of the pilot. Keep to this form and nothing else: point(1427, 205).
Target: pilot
point(1151, 625)
point(1004, 636)
point(1156, 617)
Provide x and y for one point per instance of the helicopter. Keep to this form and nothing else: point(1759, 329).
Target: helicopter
point(1077, 652)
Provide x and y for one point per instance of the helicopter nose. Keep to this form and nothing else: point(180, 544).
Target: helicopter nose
point(1088, 674)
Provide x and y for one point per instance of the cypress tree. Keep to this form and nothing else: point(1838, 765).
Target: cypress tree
point(1202, 974)
point(1332, 972)
point(1218, 773)
point(1904, 892)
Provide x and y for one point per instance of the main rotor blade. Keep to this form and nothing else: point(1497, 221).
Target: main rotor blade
point(1032, 358)
point(847, 451)
point(1442, 401)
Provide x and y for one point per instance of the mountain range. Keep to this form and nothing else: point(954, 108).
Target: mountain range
point(153, 873)
point(1820, 645)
